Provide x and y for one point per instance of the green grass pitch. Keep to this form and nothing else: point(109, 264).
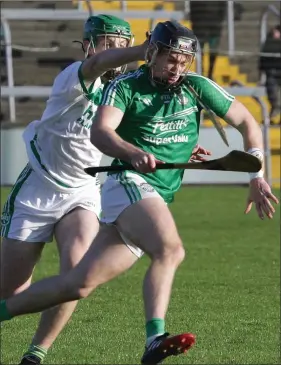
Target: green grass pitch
point(227, 292)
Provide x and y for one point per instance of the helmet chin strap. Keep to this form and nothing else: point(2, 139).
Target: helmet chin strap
point(90, 45)
point(82, 45)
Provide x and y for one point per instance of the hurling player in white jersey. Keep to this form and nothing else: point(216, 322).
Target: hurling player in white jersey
point(53, 196)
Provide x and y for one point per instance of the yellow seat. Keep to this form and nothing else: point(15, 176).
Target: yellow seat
point(149, 5)
point(139, 28)
point(103, 5)
point(186, 23)
point(275, 138)
point(131, 5)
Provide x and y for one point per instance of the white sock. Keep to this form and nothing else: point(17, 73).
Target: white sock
point(152, 338)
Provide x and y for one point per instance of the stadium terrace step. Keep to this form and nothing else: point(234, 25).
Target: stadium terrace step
point(33, 73)
point(26, 112)
point(65, 4)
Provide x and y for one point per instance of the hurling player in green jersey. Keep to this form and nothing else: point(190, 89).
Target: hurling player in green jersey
point(146, 117)
point(152, 116)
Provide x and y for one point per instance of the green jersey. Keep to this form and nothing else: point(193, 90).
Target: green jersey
point(163, 122)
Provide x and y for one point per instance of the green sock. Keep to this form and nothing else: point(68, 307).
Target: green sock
point(4, 313)
point(37, 351)
point(155, 327)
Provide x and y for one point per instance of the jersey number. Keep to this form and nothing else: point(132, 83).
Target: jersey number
point(87, 118)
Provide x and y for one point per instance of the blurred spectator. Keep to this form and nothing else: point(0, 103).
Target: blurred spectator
point(207, 19)
point(271, 67)
point(2, 39)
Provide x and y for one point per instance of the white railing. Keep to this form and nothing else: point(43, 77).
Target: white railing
point(9, 65)
point(230, 28)
point(271, 9)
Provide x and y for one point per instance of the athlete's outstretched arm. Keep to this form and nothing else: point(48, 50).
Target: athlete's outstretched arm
point(96, 65)
point(260, 193)
point(239, 117)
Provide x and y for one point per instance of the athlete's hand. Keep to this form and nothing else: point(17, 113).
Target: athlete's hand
point(144, 162)
point(260, 194)
point(197, 151)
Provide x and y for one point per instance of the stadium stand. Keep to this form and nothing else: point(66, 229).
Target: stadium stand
point(40, 68)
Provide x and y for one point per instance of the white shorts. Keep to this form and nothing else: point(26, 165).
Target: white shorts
point(119, 192)
point(34, 207)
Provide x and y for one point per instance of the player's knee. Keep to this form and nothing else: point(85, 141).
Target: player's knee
point(81, 293)
point(76, 292)
point(74, 287)
point(84, 291)
point(79, 290)
point(177, 253)
point(171, 252)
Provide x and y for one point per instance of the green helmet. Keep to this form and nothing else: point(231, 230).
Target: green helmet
point(110, 25)
point(107, 25)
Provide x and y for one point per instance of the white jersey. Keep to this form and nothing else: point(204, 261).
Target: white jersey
point(58, 145)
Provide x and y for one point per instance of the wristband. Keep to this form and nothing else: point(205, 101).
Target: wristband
point(255, 175)
point(257, 153)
